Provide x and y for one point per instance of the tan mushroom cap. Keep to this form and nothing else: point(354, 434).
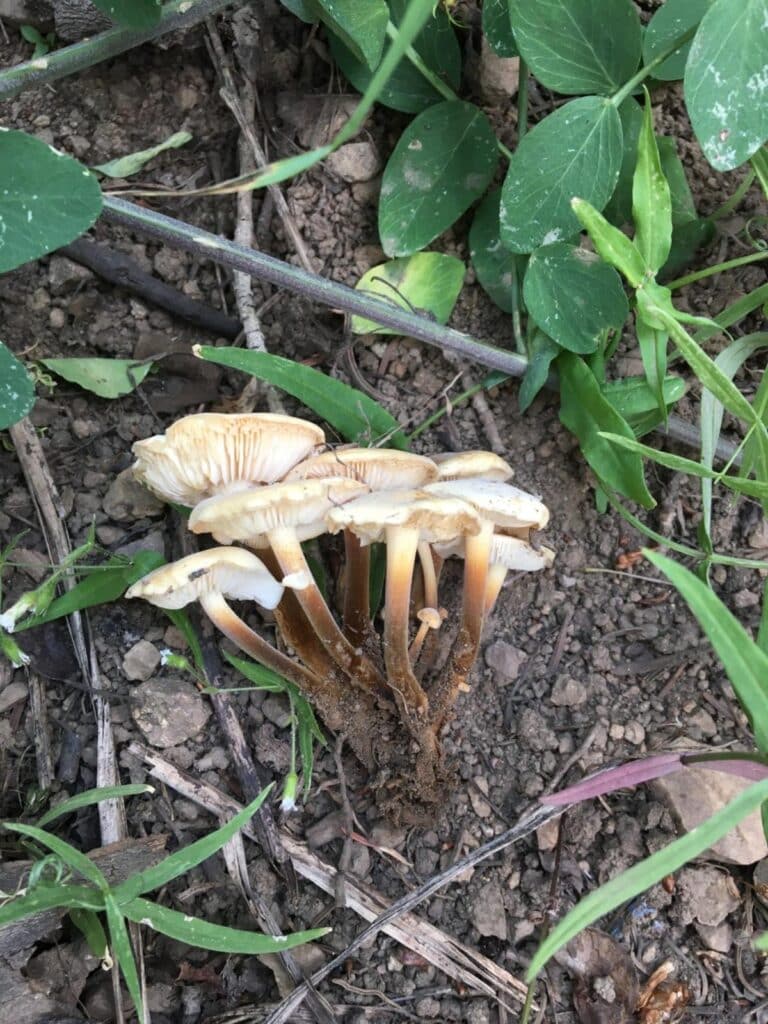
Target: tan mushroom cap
point(480, 464)
point(382, 469)
point(206, 454)
point(504, 505)
point(436, 518)
point(250, 515)
point(231, 572)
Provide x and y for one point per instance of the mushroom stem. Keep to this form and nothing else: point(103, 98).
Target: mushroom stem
point(429, 575)
point(496, 576)
point(357, 602)
point(291, 560)
point(232, 626)
point(402, 545)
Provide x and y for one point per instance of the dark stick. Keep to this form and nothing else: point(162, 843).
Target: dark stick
point(119, 269)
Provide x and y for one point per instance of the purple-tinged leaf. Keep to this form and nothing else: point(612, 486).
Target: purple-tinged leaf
point(611, 779)
point(746, 767)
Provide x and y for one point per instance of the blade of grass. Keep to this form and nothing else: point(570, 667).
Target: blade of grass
point(72, 858)
point(50, 897)
point(91, 796)
point(122, 951)
point(640, 877)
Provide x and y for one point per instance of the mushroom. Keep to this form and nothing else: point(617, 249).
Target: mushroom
point(478, 464)
point(213, 453)
point(280, 517)
point(212, 576)
point(382, 469)
point(403, 519)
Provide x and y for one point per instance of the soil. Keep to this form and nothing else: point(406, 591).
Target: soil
point(595, 661)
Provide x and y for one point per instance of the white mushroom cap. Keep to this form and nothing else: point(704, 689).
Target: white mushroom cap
point(231, 572)
point(437, 518)
point(206, 454)
point(506, 506)
point(480, 464)
point(250, 515)
point(510, 552)
point(382, 469)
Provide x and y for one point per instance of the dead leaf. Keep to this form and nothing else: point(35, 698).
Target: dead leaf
point(605, 987)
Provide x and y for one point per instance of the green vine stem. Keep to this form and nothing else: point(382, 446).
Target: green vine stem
point(718, 268)
point(339, 296)
point(629, 87)
point(178, 15)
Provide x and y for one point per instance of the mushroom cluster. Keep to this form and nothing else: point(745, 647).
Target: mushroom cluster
point(270, 483)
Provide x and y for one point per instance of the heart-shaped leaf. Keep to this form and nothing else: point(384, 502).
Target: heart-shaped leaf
point(443, 162)
point(47, 199)
point(578, 46)
point(429, 281)
point(362, 27)
point(496, 267)
point(17, 390)
point(671, 21)
point(107, 378)
point(576, 151)
point(407, 89)
point(726, 82)
point(573, 296)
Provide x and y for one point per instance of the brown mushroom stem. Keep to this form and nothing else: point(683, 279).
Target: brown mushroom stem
point(291, 560)
point(424, 658)
point(402, 545)
point(496, 576)
point(357, 602)
point(232, 626)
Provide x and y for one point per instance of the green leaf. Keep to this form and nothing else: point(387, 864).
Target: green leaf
point(428, 281)
point(726, 83)
point(541, 351)
point(683, 206)
point(574, 152)
point(89, 797)
point(585, 412)
point(496, 267)
point(760, 166)
point(740, 484)
point(762, 633)
point(87, 922)
point(122, 951)
point(187, 857)
point(573, 296)
point(653, 351)
point(651, 201)
point(131, 13)
point(632, 398)
point(407, 89)
point(755, 459)
point(47, 199)
point(671, 21)
point(103, 584)
point(642, 876)
point(182, 622)
point(356, 416)
point(443, 161)
point(578, 46)
point(125, 166)
point(618, 209)
point(745, 664)
point(219, 938)
point(17, 389)
point(497, 27)
point(107, 378)
point(611, 244)
point(302, 9)
point(49, 897)
point(687, 239)
point(362, 27)
point(72, 858)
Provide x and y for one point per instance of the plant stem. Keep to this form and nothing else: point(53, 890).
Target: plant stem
point(178, 15)
point(730, 204)
point(629, 87)
point(699, 275)
point(522, 102)
point(435, 80)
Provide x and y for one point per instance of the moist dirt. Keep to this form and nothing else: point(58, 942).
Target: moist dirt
point(593, 662)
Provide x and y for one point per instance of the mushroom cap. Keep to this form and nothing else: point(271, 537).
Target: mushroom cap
point(205, 454)
point(506, 506)
point(382, 469)
point(437, 518)
point(483, 465)
point(511, 552)
point(231, 572)
point(250, 515)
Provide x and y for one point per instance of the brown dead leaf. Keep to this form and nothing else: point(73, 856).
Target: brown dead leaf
point(605, 987)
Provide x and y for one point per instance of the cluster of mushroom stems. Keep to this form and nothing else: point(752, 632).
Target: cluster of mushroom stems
point(270, 483)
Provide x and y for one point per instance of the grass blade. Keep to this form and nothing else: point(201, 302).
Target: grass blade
point(212, 936)
point(745, 664)
point(91, 796)
point(122, 951)
point(187, 857)
point(647, 873)
point(73, 858)
point(49, 897)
